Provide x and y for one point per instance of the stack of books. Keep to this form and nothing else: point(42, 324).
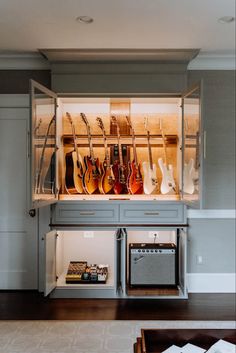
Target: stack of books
point(219, 347)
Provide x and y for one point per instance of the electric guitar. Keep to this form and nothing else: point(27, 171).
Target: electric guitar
point(135, 182)
point(107, 179)
point(150, 183)
point(74, 166)
point(44, 184)
point(168, 183)
point(119, 169)
point(92, 173)
point(190, 176)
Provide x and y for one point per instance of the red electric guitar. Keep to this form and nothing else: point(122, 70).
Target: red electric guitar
point(119, 169)
point(135, 181)
point(92, 172)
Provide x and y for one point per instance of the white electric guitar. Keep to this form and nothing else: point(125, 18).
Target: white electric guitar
point(189, 173)
point(150, 183)
point(168, 183)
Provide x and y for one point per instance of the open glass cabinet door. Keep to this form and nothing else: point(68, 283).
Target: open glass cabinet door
point(44, 190)
point(191, 146)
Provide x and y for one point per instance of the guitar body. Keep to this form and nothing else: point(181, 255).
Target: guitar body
point(150, 184)
point(167, 184)
point(189, 173)
point(135, 182)
point(119, 187)
point(91, 175)
point(107, 179)
point(74, 174)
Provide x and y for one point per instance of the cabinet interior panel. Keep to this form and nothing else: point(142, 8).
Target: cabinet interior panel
point(94, 247)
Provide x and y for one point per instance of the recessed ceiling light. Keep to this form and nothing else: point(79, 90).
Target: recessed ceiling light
point(226, 19)
point(84, 19)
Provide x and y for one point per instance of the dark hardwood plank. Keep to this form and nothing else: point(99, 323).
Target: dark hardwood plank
point(30, 305)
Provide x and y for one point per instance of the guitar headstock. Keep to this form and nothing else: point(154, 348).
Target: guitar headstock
point(69, 117)
point(85, 120)
point(129, 122)
point(115, 122)
point(146, 123)
point(100, 124)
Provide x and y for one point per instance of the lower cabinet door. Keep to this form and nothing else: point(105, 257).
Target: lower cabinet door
point(50, 244)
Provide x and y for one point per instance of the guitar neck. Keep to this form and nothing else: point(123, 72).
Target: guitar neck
point(120, 152)
point(164, 146)
point(107, 158)
point(149, 151)
point(134, 149)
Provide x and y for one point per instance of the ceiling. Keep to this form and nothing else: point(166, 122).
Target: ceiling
point(28, 25)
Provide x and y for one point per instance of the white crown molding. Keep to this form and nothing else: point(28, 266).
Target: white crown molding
point(211, 282)
point(225, 214)
point(35, 61)
point(23, 61)
point(213, 61)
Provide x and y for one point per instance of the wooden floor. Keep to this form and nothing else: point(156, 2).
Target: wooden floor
point(30, 305)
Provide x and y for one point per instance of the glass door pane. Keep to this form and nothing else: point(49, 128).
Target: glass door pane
point(191, 105)
point(43, 145)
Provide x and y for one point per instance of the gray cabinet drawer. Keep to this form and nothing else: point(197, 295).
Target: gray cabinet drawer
point(85, 213)
point(151, 213)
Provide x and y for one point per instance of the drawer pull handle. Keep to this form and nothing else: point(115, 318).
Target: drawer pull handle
point(87, 213)
point(151, 213)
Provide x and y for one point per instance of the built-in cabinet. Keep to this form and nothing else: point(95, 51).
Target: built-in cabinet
point(160, 136)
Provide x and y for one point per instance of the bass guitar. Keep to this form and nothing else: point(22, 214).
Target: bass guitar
point(168, 183)
point(107, 179)
point(150, 183)
point(91, 175)
point(74, 166)
point(135, 181)
point(43, 184)
point(119, 169)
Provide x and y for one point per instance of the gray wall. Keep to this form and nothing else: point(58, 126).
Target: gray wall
point(214, 240)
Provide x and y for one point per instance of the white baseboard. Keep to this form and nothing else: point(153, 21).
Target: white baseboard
point(211, 282)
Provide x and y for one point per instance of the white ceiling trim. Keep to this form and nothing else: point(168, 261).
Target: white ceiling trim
point(209, 61)
point(23, 61)
point(34, 61)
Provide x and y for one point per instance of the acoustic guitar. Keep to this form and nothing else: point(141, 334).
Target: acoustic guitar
point(74, 166)
point(92, 172)
point(119, 169)
point(168, 183)
point(107, 179)
point(135, 181)
point(150, 183)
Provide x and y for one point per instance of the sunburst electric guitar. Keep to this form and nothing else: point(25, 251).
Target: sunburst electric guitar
point(135, 181)
point(92, 172)
point(119, 169)
point(168, 185)
point(107, 179)
point(74, 166)
point(150, 183)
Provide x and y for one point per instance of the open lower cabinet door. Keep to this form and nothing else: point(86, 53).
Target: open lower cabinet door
point(192, 138)
point(43, 154)
point(50, 247)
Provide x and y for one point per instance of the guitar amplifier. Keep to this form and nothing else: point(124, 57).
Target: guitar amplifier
point(153, 264)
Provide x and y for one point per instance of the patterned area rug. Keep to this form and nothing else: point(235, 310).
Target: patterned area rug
point(84, 336)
